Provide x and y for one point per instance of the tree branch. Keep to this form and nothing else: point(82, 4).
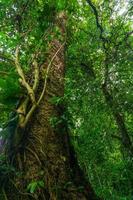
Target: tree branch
point(36, 76)
point(23, 107)
point(99, 26)
point(47, 71)
point(22, 77)
point(6, 58)
point(29, 114)
point(4, 73)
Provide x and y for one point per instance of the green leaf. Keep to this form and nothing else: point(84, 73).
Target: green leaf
point(32, 186)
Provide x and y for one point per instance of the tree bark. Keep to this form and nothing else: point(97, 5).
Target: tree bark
point(45, 153)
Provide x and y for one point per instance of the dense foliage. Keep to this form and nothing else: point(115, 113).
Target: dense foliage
point(98, 83)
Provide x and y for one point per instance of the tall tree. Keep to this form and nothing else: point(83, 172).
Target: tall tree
point(39, 146)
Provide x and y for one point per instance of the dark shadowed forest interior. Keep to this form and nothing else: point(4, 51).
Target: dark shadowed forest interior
point(66, 100)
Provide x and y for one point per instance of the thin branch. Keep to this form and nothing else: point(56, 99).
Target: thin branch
point(36, 76)
point(22, 79)
point(29, 114)
point(96, 15)
point(34, 154)
point(116, 137)
point(23, 118)
point(4, 73)
point(46, 77)
point(99, 26)
point(6, 58)
point(103, 39)
point(23, 107)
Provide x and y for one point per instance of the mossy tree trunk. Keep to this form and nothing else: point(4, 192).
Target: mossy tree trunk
point(45, 157)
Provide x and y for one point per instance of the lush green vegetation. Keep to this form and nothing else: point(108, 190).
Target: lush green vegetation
point(98, 81)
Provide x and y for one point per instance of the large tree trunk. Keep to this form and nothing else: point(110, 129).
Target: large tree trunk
point(45, 152)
